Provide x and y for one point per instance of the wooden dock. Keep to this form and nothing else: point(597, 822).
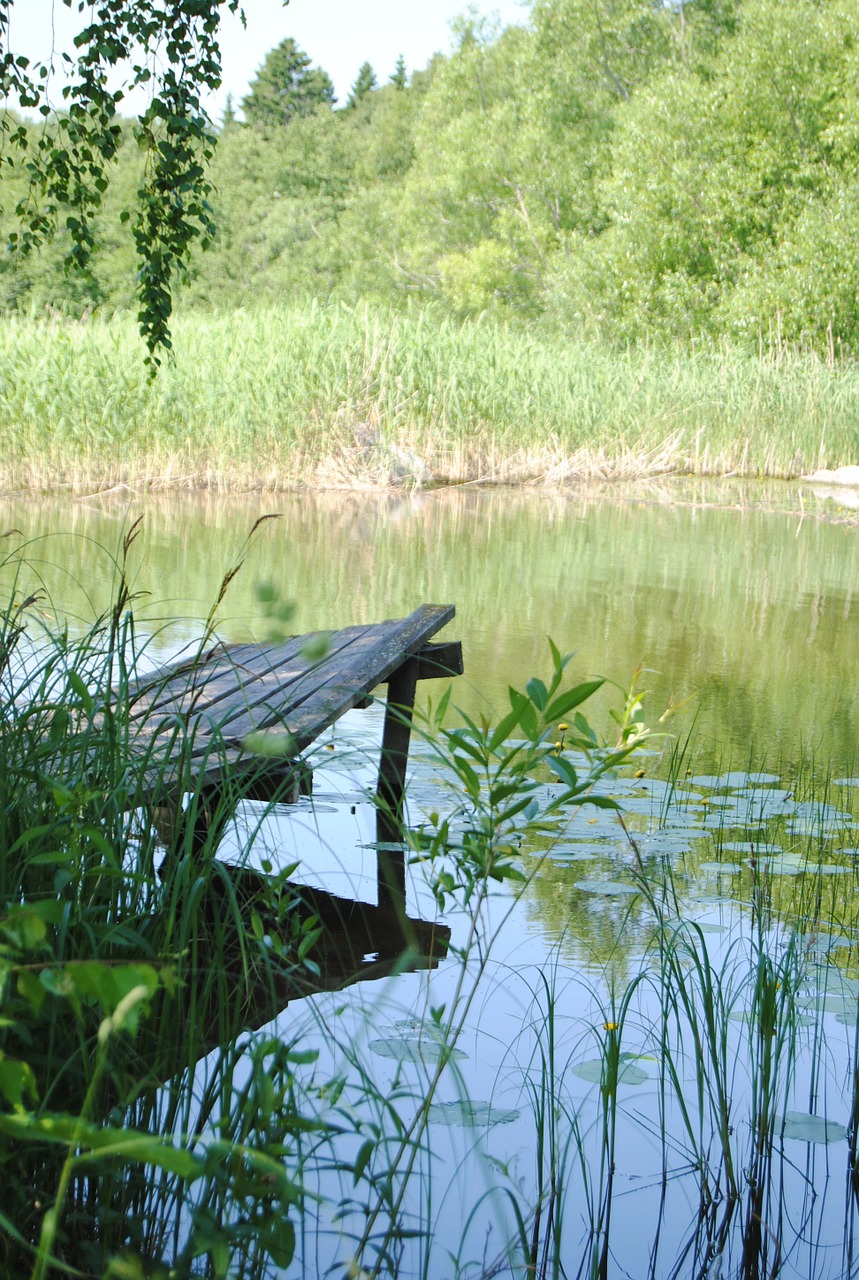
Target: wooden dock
point(237, 717)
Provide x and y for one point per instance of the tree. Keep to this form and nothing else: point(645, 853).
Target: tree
point(365, 83)
point(287, 86)
point(400, 79)
point(229, 119)
point(170, 46)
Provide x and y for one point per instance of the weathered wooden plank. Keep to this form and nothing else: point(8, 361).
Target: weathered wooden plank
point(438, 661)
point(198, 735)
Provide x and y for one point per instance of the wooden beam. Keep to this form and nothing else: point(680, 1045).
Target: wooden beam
point(438, 661)
point(390, 791)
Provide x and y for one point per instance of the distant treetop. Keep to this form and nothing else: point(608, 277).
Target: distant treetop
point(286, 86)
point(365, 83)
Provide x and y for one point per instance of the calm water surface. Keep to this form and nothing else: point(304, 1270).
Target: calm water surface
point(741, 602)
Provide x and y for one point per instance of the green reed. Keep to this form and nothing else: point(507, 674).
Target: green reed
point(328, 394)
point(119, 977)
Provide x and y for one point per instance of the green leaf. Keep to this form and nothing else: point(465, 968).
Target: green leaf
point(506, 726)
point(537, 692)
point(317, 647)
point(565, 702)
point(24, 927)
point(279, 1240)
point(82, 691)
point(467, 774)
point(16, 1080)
point(95, 1143)
point(362, 1160)
point(109, 985)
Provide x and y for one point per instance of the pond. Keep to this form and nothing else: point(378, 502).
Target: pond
point(649, 1043)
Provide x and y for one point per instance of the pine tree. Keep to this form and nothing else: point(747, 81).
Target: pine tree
point(287, 86)
point(229, 118)
point(365, 83)
point(399, 79)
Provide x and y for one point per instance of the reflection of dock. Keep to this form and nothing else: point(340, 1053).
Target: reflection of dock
point(231, 723)
point(352, 942)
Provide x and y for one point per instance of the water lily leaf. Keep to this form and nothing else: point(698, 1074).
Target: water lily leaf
point(746, 1016)
point(469, 1114)
point(756, 847)
point(583, 850)
point(610, 888)
point(820, 828)
point(426, 1052)
point(668, 843)
point(785, 866)
point(844, 1007)
point(846, 782)
point(730, 868)
point(808, 1128)
point(627, 1073)
point(831, 980)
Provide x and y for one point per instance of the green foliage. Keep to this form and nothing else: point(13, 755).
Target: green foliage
point(365, 83)
point(632, 171)
point(399, 79)
point(286, 87)
point(68, 161)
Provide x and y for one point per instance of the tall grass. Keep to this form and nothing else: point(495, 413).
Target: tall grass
point(339, 396)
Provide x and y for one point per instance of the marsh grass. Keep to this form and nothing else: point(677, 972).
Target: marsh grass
point(329, 395)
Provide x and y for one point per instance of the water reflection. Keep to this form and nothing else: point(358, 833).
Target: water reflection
point(747, 609)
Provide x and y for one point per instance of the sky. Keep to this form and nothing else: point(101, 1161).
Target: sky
point(338, 35)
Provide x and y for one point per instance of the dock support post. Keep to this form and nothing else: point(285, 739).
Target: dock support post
point(391, 863)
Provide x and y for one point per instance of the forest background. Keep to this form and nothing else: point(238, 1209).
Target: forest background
point(621, 169)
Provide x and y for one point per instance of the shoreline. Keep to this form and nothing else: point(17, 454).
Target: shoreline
point(802, 498)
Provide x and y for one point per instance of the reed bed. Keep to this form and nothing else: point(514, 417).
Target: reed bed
point(337, 396)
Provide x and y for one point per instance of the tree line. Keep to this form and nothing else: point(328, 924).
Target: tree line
point(622, 168)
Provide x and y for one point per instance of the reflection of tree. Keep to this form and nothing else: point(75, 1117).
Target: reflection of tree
point(728, 607)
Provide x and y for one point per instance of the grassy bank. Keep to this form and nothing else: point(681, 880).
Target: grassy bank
point(336, 396)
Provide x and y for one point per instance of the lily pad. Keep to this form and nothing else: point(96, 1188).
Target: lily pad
point(757, 847)
point(729, 781)
point(469, 1114)
point(841, 1006)
point(582, 850)
point(669, 842)
point(785, 866)
point(406, 1050)
point(832, 981)
point(729, 868)
point(609, 888)
point(846, 782)
point(627, 1072)
point(805, 1127)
